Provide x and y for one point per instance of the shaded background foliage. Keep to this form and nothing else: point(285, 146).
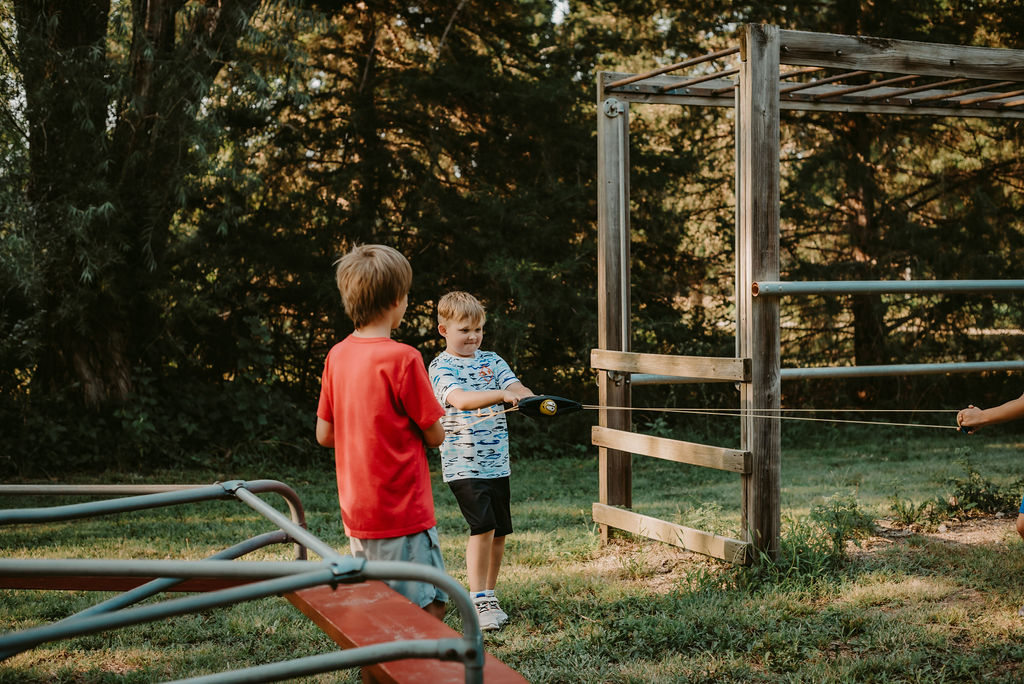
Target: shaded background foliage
point(178, 181)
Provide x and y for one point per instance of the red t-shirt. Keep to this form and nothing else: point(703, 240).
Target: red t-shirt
point(377, 394)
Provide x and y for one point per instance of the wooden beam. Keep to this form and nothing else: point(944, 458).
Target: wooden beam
point(615, 469)
point(719, 93)
point(757, 257)
point(724, 548)
point(886, 55)
point(675, 450)
point(704, 367)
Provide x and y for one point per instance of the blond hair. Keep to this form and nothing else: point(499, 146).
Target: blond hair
point(460, 306)
point(371, 280)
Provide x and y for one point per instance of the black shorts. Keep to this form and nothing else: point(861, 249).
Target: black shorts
point(485, 504)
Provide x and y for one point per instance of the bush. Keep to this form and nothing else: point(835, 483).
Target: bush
point(167, 423)
point(974, 494)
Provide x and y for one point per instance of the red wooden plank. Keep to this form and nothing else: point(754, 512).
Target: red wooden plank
point(371, 613)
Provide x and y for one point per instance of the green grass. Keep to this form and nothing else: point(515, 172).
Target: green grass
point(914, 609)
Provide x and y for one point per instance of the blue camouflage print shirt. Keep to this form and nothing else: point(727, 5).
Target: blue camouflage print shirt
point(479, 451)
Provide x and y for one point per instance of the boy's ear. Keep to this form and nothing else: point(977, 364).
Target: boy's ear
point(441, 328)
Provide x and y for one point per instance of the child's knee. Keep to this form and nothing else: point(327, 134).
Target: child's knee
point(1020, 524)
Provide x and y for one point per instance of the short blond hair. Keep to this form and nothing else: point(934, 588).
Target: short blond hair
point(460, 306)
point(371, 280)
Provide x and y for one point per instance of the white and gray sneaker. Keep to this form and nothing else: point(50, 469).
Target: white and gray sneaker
point(485, 613)
point(496, 607)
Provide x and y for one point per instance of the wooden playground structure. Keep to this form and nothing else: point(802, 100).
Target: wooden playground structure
point(824, 73)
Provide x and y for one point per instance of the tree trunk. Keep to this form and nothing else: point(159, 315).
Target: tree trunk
point(108, 150)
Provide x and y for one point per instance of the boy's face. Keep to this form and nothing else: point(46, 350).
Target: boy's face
point(463, 337)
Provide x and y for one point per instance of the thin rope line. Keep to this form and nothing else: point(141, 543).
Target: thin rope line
point(485, 418)
point(754, 414)
point(697, 409)
point(768, 413)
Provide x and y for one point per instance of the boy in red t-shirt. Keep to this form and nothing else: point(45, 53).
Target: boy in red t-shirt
point(377, 409)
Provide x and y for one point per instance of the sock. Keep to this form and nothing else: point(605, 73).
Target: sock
point(479, 594)
point(489, 593)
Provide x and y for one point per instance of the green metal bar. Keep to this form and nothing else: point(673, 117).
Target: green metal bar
point(162, 583)
point(29, 638)
point(839, 287)
point(298, 533)
point(98, 567)
point(286, 577)
point(89, 509)
point(155, 496)
point(293, 576)
point(442, 649)
point(156, 586)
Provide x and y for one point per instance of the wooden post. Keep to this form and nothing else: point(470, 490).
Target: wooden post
point(757, 258)
point(615, 467)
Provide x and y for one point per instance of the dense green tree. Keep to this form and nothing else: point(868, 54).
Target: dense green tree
point(179, 178)
point(113, 94)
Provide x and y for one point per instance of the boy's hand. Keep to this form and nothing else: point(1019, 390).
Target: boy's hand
point(513, 393)
point(510, 397)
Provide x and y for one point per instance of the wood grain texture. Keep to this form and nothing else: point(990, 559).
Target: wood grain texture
point(887, 55)
point(713, 545)
point(706, 367)
point(675, 450)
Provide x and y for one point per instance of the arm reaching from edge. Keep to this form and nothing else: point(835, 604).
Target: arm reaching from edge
point(974, 418)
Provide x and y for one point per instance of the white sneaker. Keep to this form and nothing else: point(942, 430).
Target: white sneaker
point(485, 613)
point(496, 608)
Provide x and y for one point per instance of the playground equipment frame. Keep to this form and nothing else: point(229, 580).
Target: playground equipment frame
point(972, 82)
point(255, 579)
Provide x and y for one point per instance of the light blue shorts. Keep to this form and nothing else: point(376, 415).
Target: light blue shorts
point(422, 547)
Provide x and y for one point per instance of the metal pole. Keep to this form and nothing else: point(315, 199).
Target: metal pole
point(160, 584)
point(156, 496)
point(900, 369)
point(156, 586)
point(302, 575)
point(442, 649)
point(300, 534)
point(779, 288)
point(93, 508)
point(852, 371)
point(220, 569)
point(19, 641)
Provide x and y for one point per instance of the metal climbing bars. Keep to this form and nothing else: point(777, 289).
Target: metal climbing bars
point(233, 581)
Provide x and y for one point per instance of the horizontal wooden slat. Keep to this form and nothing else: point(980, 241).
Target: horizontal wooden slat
point(801, 48)
point(700, 367)
point(672, 449)
point(687, 538)
point(719, 93)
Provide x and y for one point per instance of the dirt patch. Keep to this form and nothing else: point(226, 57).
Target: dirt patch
point(656, 566)
point(659, 567)
point(987, 531)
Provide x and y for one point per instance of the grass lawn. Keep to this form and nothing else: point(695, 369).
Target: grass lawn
point(914, 604)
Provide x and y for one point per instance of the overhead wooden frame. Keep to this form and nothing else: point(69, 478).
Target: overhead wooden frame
point(861, 74)
point(775, 70)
